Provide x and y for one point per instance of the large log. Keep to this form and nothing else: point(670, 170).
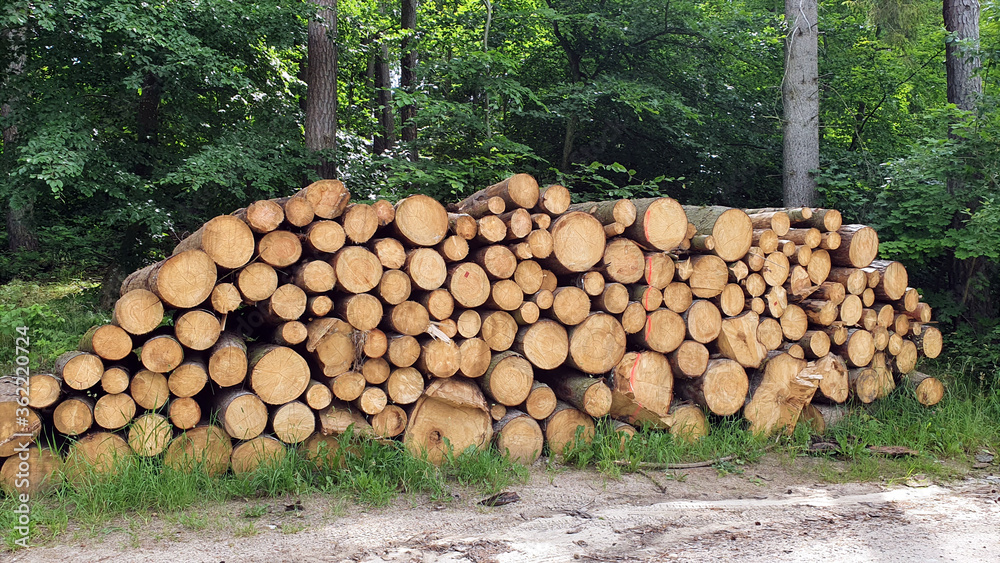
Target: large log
point(197, 329)
point(597, 344)
point(858, 246)
point(150, 434)
point(545, 344)
point(641, 380)
point(360, 222)
point(79, 370)
point(663, 331)
point(226, 241)
point(563, 425)
point(279, 248)
point(703, 320)
point(577, 243)
point(420, 221)
point(149, 389)
point(738, 340)
point(731, 228)
point(451, 415)
point(438, 358)
point(835, 383)
point(261, 451)
point(709, 276)
point(185, 413)
point(110, 342)
point(660, 224)
point(262, 216)
point(293, 422)
point(277, 374)
point(722, 389)
point(519, 190)
point(394, 287)
point(323, 237)
point(257, 281)
point(45, 466)
point(138, 312)
point(329, 198)
point(518, 436)
point(74, 415)
point(507, 379)
point(357, 269)
point(227, 360)
point(241, 413)
point(928, 390)
point(780, 393)
point(404, 386)
point(97, 452)
point(184, 280)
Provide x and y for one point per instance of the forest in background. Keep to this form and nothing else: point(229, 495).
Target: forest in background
point(128, 124)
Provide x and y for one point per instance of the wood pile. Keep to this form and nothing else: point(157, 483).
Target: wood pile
point(511, 317)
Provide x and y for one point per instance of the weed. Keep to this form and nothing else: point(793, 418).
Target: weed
point(255, 510)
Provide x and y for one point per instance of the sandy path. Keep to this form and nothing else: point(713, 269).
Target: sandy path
point(768, 514)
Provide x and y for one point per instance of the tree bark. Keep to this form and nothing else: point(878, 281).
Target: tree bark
point(800, 100)
point(321, 97)
point(407, 80)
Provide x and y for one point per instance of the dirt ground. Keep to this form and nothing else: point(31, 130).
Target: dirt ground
point(773, 511)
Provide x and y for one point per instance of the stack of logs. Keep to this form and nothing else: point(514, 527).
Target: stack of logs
point(511, 317)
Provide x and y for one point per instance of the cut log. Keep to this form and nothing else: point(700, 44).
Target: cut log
point(375, 370)
point(339, 418)
point(74, 415)
point(323, 451)
point(451, 415)
point(810, 237)
point(815, 343)
point(858, 246)
point(564, 425)
point(570, 305)
point(297, 210)
point(348, 386)
point(375, 343)
point(929, 342)
point(292, 333)
point(766, 239)
point(110, 342)
point(858, 349)
point(360, 222)
point(663, 331)
point(241, 413)
point(394, 287)
point(769, 333)
point(257, 282)
point(553, 199)
point(44, 390)
point(262, 216)
point(150, 434)
point(225, 240)
point(362, 311)
point(822, 313)
point(893, 280)
point(185, 413)
point(314, 276)
point(279, 248)
point(777, 221)
point(906, 360)
point(389, 251)
point(851, 310)
point(507, 379)
point(182, 281)
point(469, 284)
point(227, 360)
point(732, 229)
point(438, 358)
point(865, 384)
point(317, 395)
point(738, 340)
point(592, 283)
point(775, 270)
point(658, 270)
point(641, 380)
point(161, 353)
point(819, 418)
point(277, 374)
point(324, 237)
point(541, 401)
point(79, 370)
point(577, 243)
point(328, 198)
point(540, 243)
point(689, 360)
point(45, 465)
point(420, 221)
point(819, 266)
point(490, 230)
point(463, 225)
point(633, 318)
point(188, 379)
point(777, 301)
point(518, 223)
point(621, 211)
point(149, 389)
point(709, 276)
point(469, 322)
point(597, 344)
point(731, 301)
point(835, 383)
point(703, 320)
point(498, 330)
point(615, 298)
point(505, 295)
point(357, 269)
point(403, 350)
point(497, 261)
point(389, 422)
point(722, 389)
point(589, 394)
point(754, 285)
point(404, 386)
point(778, 397)
point(544, 344)
point(293, 422)
point(519, 437)
point(97, 452)
point(427, 268)
point(197, 329)
point(384, 211)
point(138, 312)
point(660, 223)
point(794, 323)
point(409, 318)
point(623, 261)
point(928, 390)
point(261, 451)
point(453, 249)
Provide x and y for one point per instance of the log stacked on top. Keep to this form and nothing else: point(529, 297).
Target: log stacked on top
point(510, 317)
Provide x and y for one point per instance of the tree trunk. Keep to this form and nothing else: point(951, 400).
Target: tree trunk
point(321, 97)
point(407, 79)
point(800, 100)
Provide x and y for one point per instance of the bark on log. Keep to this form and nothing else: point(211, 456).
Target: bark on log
point(227, 360)
point(507, 379)
point(562, 426)
point(79, 370)
point(109, 342)
point(858, 246)
point(777, 399)
point(589, 394)
point(732, 229)
point(226, 240)
point(722, 389)
point(240, 413)
point(182, 281)
point(519, 437)
point(519, 190)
